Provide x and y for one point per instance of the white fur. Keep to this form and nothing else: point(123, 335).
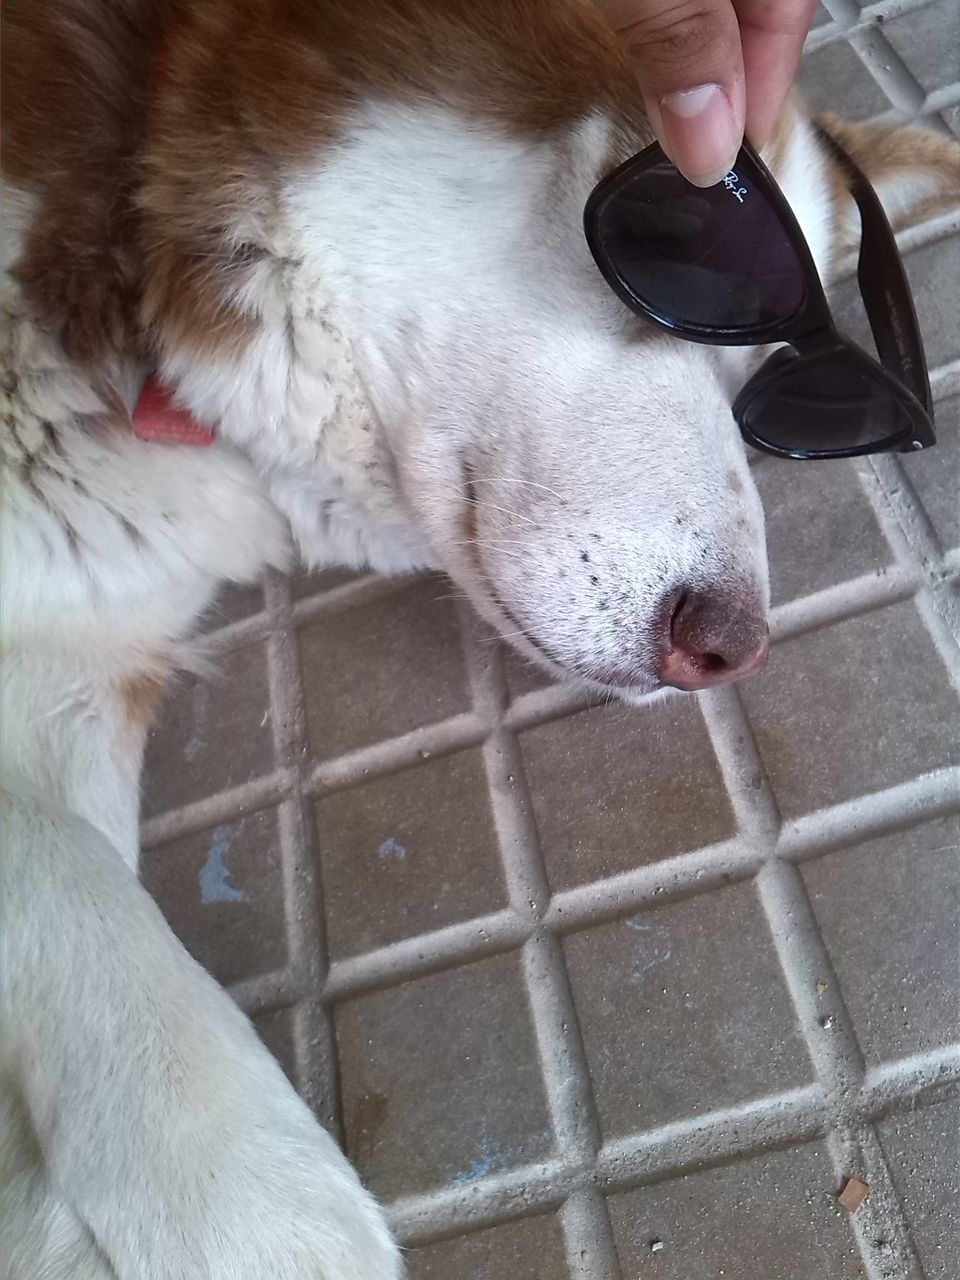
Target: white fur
point(439, 377)
point(145, 1131)
point(443, 272)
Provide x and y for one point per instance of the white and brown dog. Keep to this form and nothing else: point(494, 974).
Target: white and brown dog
point(350, 236)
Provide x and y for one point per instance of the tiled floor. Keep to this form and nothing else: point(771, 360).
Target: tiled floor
point(595, 994)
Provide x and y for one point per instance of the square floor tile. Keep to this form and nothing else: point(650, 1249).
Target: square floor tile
point(381, 669)
point(683, 1009)
point(222, 892)
point(935, 475)
point(233, 603)
point(928, 40)
point(933, 271)
point(315, 582)
point(408, 853)
point(821, 529)
point(440, 1079)
point(213, 732)
point(890, 914)
point(616, 787)
point(921, 1146)
point(531, 1249)
point(823, 69)
point(852, 708)
point(773, 1217)
point(276, 1030)
point(523, 675)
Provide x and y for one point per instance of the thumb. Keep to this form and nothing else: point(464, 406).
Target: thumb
point(688, 60)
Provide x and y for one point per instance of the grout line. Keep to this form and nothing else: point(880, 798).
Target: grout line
point(920, 235)
point(235, 802)
point(733, 744)
point(390, 755)
point(888, 69)
point(588, 1234)
point(826, 608)
point(234, 635)
point(266, 992)
point(910, 531)
point(563, 1059)
point(935, 608)
point(560, 1050)
point(550, 703)
point(838, 1061)
point(905, 523)
point(362, 591)
point(718, 1137)
point(897, 808)
point(941, 226)
point(924, 1078)
point(848, 16)
point(867, 817)
point(502, 1197)
point(845, 14)
point(682, 876)
point(507, 790)
point(714, 1138)
point(945, 380)
point(314, 1046)
point(885, 10)
point(424, 954)
point(805, 963)
point(880, 1225)
point(937, 100)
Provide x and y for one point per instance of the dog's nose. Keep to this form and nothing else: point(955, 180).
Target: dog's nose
point(714, 637)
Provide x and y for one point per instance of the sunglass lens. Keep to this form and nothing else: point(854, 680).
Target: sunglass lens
point(835, 403)
point(716, 257)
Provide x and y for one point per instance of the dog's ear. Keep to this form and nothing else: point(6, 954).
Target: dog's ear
point(915, 172)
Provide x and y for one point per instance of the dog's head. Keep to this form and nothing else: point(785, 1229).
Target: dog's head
point(579, 474)
point(364, 257)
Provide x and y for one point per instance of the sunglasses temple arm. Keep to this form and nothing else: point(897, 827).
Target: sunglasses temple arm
point(883, 285)
point(893, 321)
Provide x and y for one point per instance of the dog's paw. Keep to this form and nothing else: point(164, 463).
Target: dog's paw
point(295, 1210)
point(269, 1194)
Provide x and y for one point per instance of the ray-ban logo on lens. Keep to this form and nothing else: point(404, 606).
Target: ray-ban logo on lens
point(732, 183)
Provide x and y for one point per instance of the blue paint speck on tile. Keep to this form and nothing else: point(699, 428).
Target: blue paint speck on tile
point(199, 707)
point(214, 882)
point(653, 949)
point(489, 1159)
point(392, 848)
point(493, 1157)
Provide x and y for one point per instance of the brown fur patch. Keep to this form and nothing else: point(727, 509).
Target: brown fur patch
point(140, 697)
point(75, 76)
point(152, 129)
point(887, 152)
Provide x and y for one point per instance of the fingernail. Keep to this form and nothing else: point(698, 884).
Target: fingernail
point(701, 133)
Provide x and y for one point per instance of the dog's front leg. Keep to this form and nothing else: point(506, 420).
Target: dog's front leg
point(159, 1119)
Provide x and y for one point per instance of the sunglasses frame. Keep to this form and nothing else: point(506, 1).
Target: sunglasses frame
point(809, 331)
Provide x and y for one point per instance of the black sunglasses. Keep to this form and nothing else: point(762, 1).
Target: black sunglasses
point(729, 265)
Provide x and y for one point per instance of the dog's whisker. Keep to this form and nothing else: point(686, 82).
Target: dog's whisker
point(530, 484)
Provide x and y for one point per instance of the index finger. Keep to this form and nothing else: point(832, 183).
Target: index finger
point(772, 33)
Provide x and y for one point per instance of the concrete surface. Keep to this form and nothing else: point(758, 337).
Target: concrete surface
point(598, 993)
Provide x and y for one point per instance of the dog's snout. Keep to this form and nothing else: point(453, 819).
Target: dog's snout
point(713, 637)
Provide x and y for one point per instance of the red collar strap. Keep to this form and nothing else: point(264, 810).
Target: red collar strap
point(157, 418)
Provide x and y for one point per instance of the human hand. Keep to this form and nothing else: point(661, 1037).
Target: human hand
point(708, 69)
